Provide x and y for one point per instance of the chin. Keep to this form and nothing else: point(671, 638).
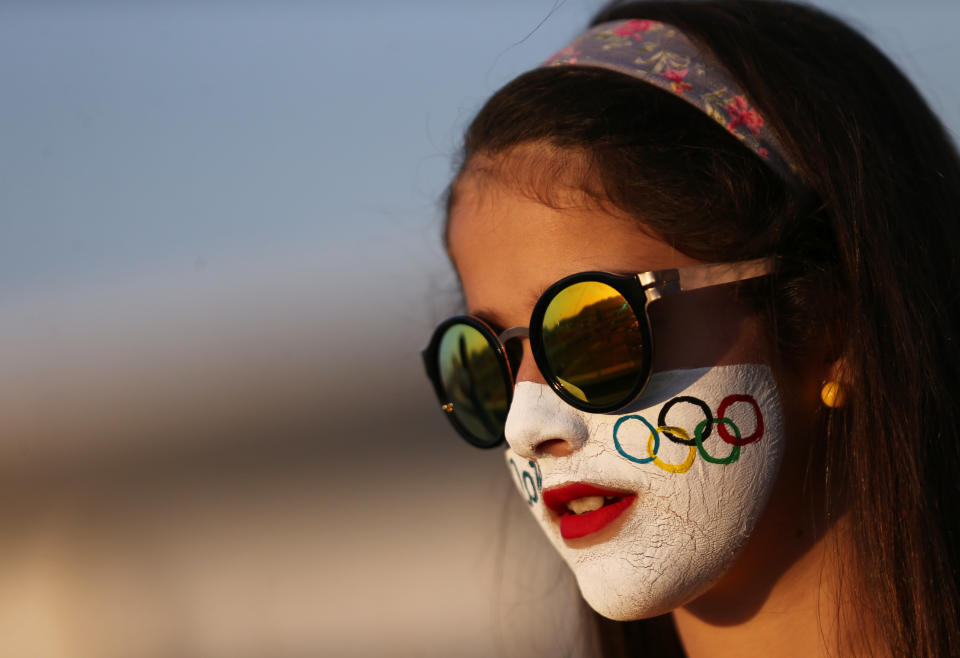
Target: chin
point(641, 592)
point(619, 606)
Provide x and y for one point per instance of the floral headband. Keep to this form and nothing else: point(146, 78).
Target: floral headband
point(662, 56)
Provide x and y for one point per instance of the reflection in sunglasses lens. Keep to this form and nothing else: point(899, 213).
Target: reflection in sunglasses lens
point(474, 382)
point(593, 343)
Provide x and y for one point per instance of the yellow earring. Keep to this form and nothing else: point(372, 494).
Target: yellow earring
point(832, 394)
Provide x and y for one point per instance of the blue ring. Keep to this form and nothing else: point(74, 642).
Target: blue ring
point(653, 431)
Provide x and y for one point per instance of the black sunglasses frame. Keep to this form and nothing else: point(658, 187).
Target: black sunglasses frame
point(639, 290)
point(432, 366)
point(633, 292)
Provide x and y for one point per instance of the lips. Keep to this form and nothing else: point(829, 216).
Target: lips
point(585, 508)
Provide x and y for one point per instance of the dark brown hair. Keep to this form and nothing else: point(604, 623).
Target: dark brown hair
point(867, 249)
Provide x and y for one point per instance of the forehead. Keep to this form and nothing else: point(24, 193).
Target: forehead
point(508, 246)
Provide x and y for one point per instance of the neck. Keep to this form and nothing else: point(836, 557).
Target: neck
point(793, 619)
point(796, 610)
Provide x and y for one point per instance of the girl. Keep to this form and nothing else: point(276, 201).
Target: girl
point(707, 252)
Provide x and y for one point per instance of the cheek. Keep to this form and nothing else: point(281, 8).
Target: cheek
point(526, 475)
point(704, 328)
point(701, 452)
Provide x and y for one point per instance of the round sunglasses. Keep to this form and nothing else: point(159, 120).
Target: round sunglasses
point(590, 337)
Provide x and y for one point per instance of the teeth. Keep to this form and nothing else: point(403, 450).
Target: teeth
point(585, 504)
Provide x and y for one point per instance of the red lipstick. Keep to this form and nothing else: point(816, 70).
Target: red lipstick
point(573, 525)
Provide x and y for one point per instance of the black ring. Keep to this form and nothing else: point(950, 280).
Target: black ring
point(662, 419)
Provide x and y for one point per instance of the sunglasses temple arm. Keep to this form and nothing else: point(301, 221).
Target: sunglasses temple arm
point(667, 282)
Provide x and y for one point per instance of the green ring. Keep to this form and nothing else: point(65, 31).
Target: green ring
point(698, 437)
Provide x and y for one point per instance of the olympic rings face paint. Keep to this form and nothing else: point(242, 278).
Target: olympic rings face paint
point(662, 417)
point(671, 468)
point(699, 451)
point(729, 459)
point(653, 437)
point(701, 433)
point(722, 431)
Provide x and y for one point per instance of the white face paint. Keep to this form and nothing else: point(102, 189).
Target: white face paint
point(690, 516)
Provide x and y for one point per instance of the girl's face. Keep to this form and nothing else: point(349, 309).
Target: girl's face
point(648, 510)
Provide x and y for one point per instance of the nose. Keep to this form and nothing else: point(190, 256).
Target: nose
point(526, 369)
point(539, 423)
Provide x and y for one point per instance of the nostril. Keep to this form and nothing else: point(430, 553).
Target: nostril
point(555, 448)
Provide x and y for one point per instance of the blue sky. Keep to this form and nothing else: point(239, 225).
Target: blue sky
point(155, 138)
point(159, 138)
point(147, 144)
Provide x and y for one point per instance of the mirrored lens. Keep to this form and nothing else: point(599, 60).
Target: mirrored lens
point(474, 382)
point(593, 343)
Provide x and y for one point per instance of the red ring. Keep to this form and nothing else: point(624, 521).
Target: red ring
point(722, 428)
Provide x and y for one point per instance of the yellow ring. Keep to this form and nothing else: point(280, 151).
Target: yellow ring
point(682, 467)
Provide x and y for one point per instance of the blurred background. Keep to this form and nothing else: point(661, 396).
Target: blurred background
point(219, 259)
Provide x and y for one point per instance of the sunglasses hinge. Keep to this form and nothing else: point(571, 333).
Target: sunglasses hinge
point(657, 284)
